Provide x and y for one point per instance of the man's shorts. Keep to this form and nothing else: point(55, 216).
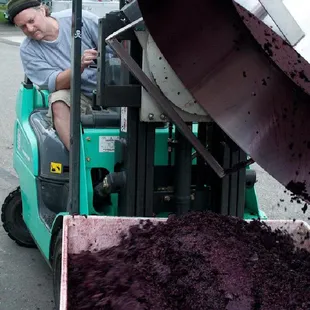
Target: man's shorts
point(64, 95)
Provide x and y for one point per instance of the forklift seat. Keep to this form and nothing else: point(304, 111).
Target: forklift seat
point(97, 119)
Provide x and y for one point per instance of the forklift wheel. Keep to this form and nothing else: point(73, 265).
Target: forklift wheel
point(12, 220)
point(56, 267)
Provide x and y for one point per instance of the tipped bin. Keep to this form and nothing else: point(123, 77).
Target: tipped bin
point(251, 82)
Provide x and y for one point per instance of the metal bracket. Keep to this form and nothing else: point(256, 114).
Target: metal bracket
point(284, 20)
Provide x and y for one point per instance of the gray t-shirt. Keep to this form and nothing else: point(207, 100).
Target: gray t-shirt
point(44, 60)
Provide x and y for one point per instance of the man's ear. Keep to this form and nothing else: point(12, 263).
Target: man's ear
point(42, 8)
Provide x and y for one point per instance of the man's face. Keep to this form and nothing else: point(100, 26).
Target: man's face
point(32, 22)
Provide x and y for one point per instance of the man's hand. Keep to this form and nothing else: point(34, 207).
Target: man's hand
point(88, 58)
point(63, 78)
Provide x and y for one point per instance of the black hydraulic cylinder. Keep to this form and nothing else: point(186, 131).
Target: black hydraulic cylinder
point(114, 181)
point(74, 156)
point(183, 167)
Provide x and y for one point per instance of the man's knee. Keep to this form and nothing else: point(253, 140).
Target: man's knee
point(60, 110)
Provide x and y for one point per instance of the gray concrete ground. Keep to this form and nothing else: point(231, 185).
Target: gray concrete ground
point(10, 34)
point(25, 280)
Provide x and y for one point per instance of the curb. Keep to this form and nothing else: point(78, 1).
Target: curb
point(9, 42)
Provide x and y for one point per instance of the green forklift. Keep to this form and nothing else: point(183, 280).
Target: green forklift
point(129, 157)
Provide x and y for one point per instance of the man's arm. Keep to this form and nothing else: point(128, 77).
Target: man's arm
point(63, 80)
point(43, 74)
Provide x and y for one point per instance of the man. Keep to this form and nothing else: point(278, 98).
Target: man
point(46, 56)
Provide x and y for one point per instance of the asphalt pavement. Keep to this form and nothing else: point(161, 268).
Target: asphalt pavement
point(25, 279)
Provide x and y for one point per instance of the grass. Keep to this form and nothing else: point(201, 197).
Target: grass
point(2, 9)
point(2, 18)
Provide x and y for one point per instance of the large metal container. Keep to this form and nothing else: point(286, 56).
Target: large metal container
point(97, 233)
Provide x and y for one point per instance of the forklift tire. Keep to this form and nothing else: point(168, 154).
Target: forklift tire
point(12, 220)
point(56, 268)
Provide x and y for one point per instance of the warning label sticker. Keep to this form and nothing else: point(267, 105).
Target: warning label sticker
point(106, 144)
point(56, 168)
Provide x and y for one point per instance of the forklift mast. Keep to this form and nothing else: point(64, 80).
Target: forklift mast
point(188, 181)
